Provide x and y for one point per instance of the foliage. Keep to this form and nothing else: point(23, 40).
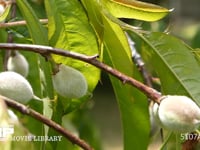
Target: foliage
point(93, 27)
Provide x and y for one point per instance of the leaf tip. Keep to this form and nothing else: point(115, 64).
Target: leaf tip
point(172, 9)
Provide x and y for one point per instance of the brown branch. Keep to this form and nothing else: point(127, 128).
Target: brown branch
point(46, 50)
point(19, 23)
point(30, 112)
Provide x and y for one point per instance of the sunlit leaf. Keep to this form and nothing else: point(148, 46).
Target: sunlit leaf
point(135, 10)
point(95, 16)
point(71, 30)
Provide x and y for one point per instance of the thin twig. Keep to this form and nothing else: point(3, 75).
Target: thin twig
point(30, 112)
point(137, 59)
point(9, 38)
point(19, 23)
point(46, 50)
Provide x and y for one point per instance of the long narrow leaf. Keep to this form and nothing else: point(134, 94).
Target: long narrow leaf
point(132, 104)
point(35, 28)
point(135, 10)
point(174, 63)
point(39, 36)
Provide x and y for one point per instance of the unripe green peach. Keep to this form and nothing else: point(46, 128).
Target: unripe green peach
point(69, 82)
point(15, 86)
point(179, 114)
point(19, 64)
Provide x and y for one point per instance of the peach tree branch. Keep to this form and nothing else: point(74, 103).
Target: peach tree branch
point(47, 50)
point(30, 112)
point(19, 23)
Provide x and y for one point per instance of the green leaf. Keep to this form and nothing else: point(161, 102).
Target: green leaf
point(3, 39)
point(71, 30)
point(87, 129)
point(134, 112)
point(41, 66)
point(95, 16)
point(55, 24)
point(135, 10)
point(196, 39)
point(39, 36)
point(35, 28)
point(132, 103)
point(174, 63)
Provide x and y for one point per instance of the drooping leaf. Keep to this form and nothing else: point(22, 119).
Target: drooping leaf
point(132, 103)
point(174, 63)
point(117, 54)
point(135, 10)
point(41, 66)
